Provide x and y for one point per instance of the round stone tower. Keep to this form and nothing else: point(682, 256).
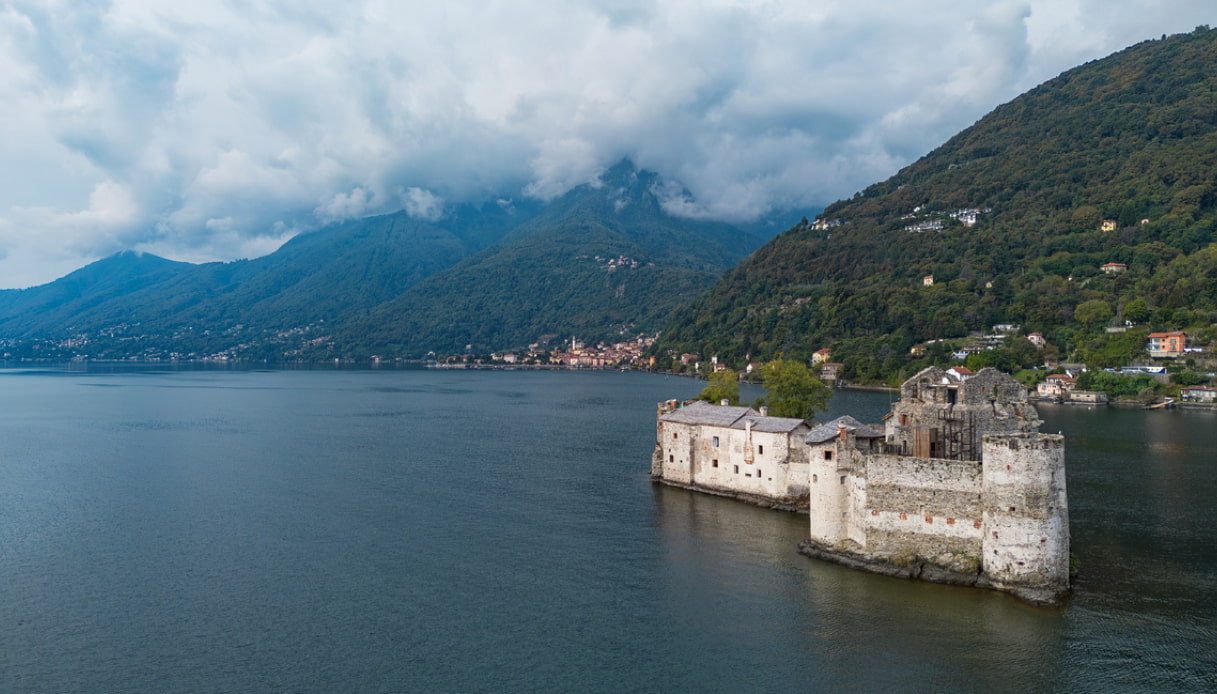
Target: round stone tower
point(1026, 514)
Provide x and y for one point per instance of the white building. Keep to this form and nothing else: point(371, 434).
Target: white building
point(959, 487)
point(732, 451)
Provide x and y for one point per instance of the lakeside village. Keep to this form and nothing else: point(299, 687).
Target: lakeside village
point(1158, 369)
point(1170, 371)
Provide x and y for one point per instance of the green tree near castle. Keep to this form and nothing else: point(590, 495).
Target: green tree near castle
point(724, 385)
point(792, 390)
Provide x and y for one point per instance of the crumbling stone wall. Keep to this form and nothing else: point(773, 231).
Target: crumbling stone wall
point(1026, 512)
point(940, 416)
point(928, 509)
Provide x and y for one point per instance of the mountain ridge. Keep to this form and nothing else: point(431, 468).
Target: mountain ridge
point(1009, 222)
point(315, 296)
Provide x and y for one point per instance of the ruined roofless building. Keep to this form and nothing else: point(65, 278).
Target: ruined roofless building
point(958, 488)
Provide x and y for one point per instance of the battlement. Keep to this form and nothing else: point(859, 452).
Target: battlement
point(959, 488)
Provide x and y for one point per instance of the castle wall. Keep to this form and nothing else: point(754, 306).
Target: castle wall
point(760, 464)
point(1026, 515)
point(940, 417)
point(921, 507)
point(673, 460)
point(831, 492)
point(991, 511)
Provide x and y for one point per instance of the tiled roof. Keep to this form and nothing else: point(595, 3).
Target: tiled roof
point(774, 425)
point(828, 430)
point(702, 412)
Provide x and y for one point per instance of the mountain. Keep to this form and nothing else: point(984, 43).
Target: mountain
point(602, 259)
point(127, 302)
point(1009, 222)
point(64, 302)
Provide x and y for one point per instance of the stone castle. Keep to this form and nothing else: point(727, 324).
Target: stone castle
point(957, 486)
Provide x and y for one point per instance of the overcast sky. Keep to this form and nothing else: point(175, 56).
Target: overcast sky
point(216, 130)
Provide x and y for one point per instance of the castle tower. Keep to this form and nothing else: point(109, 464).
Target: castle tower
point(1025, 547)
point(831, 451)
point(657, 457)
point(828, 495)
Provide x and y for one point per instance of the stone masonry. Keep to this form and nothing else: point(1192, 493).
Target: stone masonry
point(957, 487)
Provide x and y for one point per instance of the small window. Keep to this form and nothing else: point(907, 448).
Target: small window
point(827, 455)
point(716, 442)
point(842, 480)
point(904, 420)
point(714, 463)
point(758, 473)
point(737, 469)
point(760, 450)
point(671, 459)
point(815, 478)
point(673, 436)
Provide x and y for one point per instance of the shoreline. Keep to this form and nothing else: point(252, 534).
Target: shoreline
point(916, 568)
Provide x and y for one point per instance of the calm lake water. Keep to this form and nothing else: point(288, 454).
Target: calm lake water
point(401, 531)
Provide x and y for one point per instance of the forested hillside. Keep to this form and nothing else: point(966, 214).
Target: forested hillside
point(139, 305)
point(1014, 218)
point(598, 263)
point(601, 261)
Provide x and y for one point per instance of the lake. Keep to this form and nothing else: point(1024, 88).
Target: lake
point(406, 530)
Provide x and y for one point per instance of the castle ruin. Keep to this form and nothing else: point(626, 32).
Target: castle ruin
point(956, 487)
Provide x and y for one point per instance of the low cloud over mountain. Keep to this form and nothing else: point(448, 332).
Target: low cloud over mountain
point(215, 131)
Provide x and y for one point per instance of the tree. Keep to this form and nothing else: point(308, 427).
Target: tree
point(1087, 217)
point(724, 385)
point(792, 390)
point(1136, 311)
point(1093, 312)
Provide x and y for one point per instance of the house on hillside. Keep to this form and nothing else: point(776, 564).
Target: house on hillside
point(1056, 387)
point(961, 373)
point(1113, 268)
point(1170, 344)
point(831, 373)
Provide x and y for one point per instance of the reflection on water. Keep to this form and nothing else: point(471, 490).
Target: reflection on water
point(472, 531)
point(724, 558)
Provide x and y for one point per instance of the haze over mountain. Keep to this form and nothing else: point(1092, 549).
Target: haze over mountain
point(217, 131)
point(599, 261)
point(1009, 222)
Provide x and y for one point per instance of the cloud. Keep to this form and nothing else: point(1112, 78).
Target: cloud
point(422, 204)
point(215, 130)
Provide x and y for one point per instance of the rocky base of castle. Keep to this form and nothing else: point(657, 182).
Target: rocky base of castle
point(958, 572)
point(792, 504)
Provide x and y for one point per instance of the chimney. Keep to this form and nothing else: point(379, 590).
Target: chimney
point(764, 411)
point(724, 402)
